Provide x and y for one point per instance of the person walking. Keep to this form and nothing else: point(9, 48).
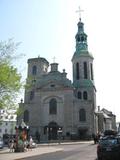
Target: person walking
point(30, 143)
point(11, 145)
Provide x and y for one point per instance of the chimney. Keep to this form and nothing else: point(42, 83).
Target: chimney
point(98, 108)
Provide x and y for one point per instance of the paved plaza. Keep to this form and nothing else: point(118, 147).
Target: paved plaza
point(41, 149)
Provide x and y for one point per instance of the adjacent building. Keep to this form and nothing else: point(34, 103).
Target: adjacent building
point(106, 120)
point(7, 122)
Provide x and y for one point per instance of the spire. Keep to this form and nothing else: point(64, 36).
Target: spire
point(81, 37)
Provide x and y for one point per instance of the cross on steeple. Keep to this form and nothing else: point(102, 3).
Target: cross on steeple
point(79, 11)
point(54, 59)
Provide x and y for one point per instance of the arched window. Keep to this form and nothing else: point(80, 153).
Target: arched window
point(82, 115)
point(78, 39)
point(91, 68)
point(34, 70)
point(53, 106)
point(32, 95)
point(26, 116)
point(82, 38)
point(79, 95)
point(77, 71)
point(85, 70)
point(85, 95)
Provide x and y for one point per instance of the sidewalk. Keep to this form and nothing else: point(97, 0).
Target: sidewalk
point(6, 155)
point(41, 149)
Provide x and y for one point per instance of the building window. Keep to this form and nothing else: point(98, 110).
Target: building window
point(79, 95)
point(33, 81)
point(85, 95)
point(6, 117)
point(77, 71)
point(82, 115)
point(78, 39)
point(91, 68)
point(1, 117)
point(26, 116)
point(52, 85)
point(85, 70)
point(34, 70)
point(82, 38)
point(32, 95)
point(5, 130)
point(53, 106)
point(11, 117)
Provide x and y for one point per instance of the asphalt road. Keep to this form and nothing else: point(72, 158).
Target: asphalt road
point(69, 152)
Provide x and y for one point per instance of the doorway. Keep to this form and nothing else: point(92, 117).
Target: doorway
point(52, 129)
point(82, 133)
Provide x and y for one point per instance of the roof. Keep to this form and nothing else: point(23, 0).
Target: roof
point(38, 59)
point(54, 77)
point(83, 82)
point(82, 53)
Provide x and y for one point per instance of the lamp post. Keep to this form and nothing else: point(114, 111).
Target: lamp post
point(21, 136)
point(59, 134)
point(50, 133)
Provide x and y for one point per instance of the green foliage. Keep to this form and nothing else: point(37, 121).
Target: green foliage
point(8, 50)
point(19, 111)
point(9, 77)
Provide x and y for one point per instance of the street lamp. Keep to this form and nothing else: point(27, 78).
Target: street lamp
point(59, 134)
point(50, 133)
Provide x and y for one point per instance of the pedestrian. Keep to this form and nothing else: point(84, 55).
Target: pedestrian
point(30, 143)
point(26, 146)
point(94, 138)
point(11, 145)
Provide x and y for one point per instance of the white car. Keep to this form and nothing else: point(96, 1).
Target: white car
point(34, 145)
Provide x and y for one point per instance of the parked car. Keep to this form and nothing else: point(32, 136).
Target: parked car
point(1, 144)
point(108, 148)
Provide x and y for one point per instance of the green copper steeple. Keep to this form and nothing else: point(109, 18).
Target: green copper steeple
point(81, 38)
point(82, 60)
point(81, 42)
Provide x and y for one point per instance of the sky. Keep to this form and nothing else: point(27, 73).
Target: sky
point(47, 28)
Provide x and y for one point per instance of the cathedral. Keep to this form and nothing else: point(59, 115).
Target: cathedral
point(53, 104)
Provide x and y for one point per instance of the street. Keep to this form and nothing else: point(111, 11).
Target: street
point(69, 152)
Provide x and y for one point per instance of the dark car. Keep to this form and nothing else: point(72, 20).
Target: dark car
point(108, 148)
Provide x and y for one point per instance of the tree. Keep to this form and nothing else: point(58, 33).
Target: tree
point(10, 79)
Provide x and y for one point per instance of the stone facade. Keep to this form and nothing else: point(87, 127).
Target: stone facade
point(53, 104)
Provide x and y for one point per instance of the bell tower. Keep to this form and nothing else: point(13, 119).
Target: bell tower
point(82, 60)
point(83, 78)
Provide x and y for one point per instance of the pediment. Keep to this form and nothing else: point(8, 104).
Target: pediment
point(51, 85)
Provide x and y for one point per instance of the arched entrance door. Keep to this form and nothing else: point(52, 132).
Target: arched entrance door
point(51, 130)
point(82, 133)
